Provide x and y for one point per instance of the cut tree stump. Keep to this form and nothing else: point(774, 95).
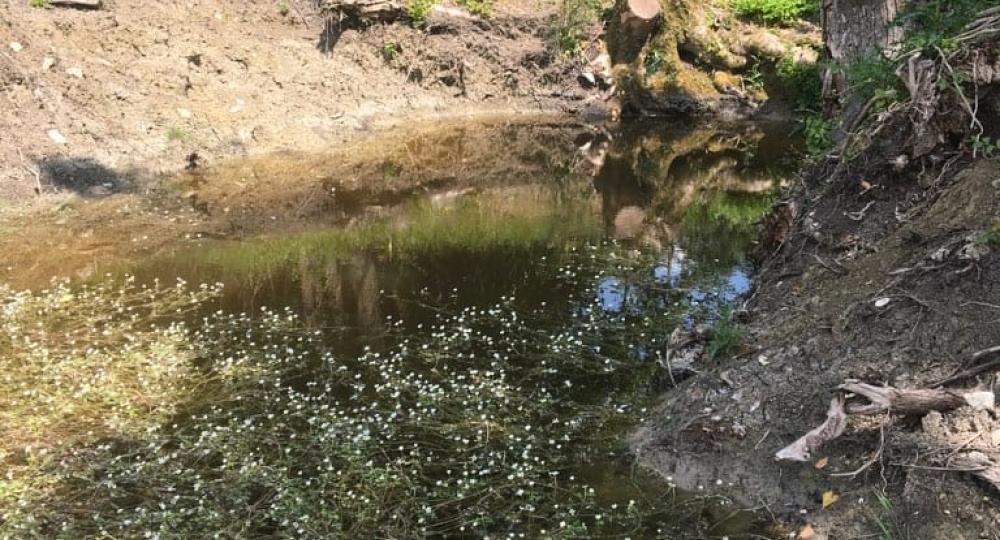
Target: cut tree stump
point(636, 21)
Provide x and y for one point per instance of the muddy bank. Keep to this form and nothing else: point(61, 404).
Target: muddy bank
point(98, 101)
point(882, 269)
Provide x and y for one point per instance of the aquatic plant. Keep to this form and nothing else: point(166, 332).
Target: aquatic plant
point(479, 424)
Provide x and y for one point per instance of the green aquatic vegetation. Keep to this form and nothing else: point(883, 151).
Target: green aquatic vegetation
point(476, 225)
point(474, 425)
point(81, 365)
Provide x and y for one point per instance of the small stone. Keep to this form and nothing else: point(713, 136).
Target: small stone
point(75, 72)
point(882, 302)
point(15, 46)
point(56, 137)
point(47, 63)
point(237, 106)
point(184, 113)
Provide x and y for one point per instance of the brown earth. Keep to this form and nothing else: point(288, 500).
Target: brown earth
point(889, 274)
point(137, 87)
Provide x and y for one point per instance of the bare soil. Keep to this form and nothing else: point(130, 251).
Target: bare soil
point(885, 276)
point(97, 102)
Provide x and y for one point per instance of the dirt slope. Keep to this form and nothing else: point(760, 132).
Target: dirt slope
point(96, 100)
point(888, 274)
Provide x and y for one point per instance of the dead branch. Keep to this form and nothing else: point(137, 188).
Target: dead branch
point(879, 399)
point(909, 401)
point(803, 448)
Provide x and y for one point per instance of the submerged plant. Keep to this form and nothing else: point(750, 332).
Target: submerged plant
point(475, 425)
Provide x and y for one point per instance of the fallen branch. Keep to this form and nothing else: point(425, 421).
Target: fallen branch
point(877, 400)
point(803, 448)
point(910, 401)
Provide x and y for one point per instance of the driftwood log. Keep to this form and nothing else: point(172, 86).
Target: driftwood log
point(878, 400)
point(857, 398)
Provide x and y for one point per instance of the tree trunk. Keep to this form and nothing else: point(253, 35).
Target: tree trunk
point(853, 29)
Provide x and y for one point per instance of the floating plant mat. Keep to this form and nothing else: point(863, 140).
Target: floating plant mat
point(467, 367)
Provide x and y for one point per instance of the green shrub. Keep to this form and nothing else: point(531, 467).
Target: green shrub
point(817, 133)
point(283, 9)
point(727, 337)
point(874, 77)
point(803, 80)
point(417, 11)
point(483, 8)
point(574, 17)
point(389, 50)
point(933, 24)
point(653, 62)
point(774, 11)
point(43, 4)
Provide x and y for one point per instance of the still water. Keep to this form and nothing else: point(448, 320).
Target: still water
point(461, 357)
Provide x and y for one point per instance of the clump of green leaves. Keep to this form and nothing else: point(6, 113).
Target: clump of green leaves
point(574, 17)
point(774, 11)
point(817, 134)
point(42, 4)
point(417, 11)
point(283, 9)
point(991, 236)
point(754, 76)
point(874, 77)
point(483, 8)
point(803, 80)
point(390, 50)
point(727, 337)
point(653, 61)
point(933, 24)
point(986, 147)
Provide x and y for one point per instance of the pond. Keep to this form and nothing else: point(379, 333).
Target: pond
point(461, 355)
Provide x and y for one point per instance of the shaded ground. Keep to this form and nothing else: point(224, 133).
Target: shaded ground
point(889, 275)
point(151, 86)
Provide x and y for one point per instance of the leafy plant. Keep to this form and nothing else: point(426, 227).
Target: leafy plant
point(986, 147)
point(390, 50)
point(933, 24)
point(653, 61)
point(483, 8)
point(874, 77)
point(574, 16)
point(817, 133)
point(754, 76)
point(42, 4)
point(774, 11)
point(803, 80)
point(417, 11)
point(990, 237)
point(283, 9)
point(727, 337)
